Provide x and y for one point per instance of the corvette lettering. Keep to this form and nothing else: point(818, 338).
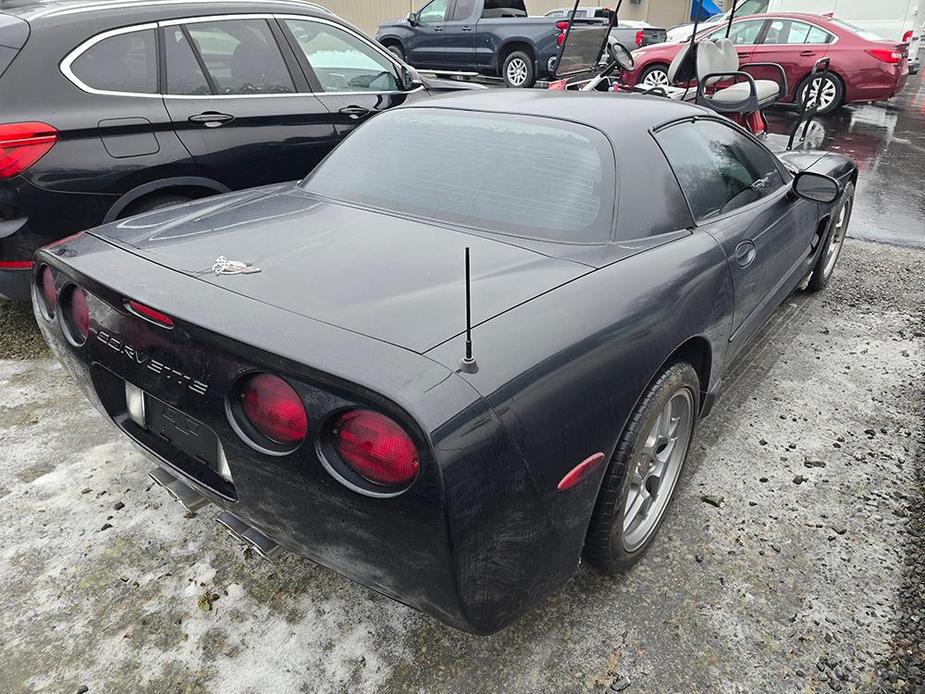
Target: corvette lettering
point(170, 374)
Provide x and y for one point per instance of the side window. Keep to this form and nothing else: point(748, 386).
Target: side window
point(121, 63)
point(782, 31)
point(817, 35)
point(184, 73)
point(718, 168)
point(464, 10)
point(434, 11)
point(341, 61)
point(741, 33)
point(504, 8)
point(241, 56)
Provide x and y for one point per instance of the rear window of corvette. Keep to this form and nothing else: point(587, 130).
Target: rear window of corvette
point(517, 175)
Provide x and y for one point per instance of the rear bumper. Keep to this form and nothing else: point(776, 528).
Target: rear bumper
point(15, 285)
point(32, 217)
point(465, 543)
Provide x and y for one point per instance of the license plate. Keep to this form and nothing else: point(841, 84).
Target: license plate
point(182, 432)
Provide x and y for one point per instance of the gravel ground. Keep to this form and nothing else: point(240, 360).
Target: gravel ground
point(792, 560)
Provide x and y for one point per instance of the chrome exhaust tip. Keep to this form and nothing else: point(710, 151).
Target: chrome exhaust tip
point(241, 531)
point(189, 498)
point(161, 476)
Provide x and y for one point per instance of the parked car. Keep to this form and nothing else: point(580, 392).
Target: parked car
point(889, 20)
point(93, 129)
point(862, 69)
point(314, 380)
point(630, 33)
point(492, 37)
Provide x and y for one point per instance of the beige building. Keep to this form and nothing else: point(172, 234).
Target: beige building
point(367, 14)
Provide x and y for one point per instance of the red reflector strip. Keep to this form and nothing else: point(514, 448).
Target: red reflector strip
point(15, 264)
point(150, 314)
point(580, 471)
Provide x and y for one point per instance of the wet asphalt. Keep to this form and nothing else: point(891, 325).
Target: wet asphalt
point(887, 141)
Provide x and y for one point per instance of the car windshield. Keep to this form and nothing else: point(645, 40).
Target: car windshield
point(855, 29)
point(517, 175)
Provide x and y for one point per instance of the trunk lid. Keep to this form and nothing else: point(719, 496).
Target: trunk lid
point(383, 276)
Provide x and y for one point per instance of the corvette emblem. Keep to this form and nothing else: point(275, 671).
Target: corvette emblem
point(223, 266)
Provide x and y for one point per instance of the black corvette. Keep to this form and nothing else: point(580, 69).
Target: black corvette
point(296, 354)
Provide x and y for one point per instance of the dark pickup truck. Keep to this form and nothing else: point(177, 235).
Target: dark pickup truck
point(492, 37)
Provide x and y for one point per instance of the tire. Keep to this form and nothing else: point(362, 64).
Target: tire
point(518, 70)
point(610, 546)
point(833, 92)
point(656, 75)
point(396, 49)
point(154, 202)
point(834, 240)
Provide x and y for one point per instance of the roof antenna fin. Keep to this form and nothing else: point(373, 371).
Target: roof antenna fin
point(468, 364)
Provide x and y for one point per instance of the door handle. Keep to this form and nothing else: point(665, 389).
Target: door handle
point(746, 253)
point(438, 29)
point(212, 119)
point(806, 54)
point(355, 112)
point(466, 28)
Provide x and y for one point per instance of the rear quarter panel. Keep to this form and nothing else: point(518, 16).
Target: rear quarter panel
point(563, 373)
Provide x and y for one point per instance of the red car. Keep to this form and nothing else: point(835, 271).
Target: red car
point(864, 66)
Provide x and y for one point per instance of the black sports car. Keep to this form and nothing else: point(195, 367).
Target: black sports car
point(296, 354)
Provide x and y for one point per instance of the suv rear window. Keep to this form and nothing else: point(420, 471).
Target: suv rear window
point(121, 63)
point(487, 171)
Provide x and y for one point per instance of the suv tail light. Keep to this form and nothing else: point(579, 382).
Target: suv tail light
point(907, 37)
point(639, 37)
point(274, 409)
point(886, 55)
point(23, 144)
point(376, 447)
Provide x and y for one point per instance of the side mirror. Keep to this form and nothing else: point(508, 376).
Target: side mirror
point(410, 79)
point(412, 18)
point(816, 187)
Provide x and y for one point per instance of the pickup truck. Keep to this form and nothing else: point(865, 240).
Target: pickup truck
point(492, 37)
point(631, 33)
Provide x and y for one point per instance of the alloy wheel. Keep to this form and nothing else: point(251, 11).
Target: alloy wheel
point(517, 72)
point(656, 78)
point(823, 90)
point(838, 238)
point(657, 469)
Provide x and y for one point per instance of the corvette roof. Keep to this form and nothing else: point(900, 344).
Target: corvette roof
point(616, 114)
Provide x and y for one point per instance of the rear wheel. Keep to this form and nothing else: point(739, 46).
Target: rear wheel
point(654, 76)
point(645, 468)
point(828, 90)
point(822, 272)
point(518, 70)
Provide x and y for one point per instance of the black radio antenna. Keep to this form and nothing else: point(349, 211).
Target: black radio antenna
point(467, 364)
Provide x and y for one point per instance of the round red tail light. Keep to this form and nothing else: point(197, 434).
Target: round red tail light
point(274, 409)
point(376, 447)
point(47, 287)
point(79, 314)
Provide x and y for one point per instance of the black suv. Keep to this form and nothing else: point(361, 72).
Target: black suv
point(109, 109)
